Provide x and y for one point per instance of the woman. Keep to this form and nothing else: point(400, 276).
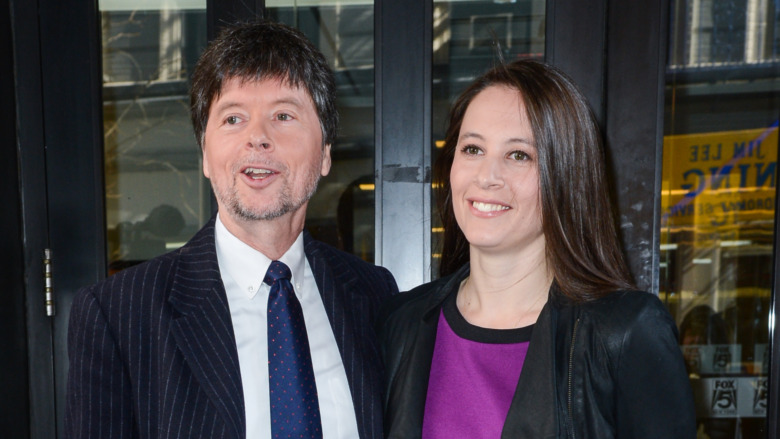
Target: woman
point(534, 329)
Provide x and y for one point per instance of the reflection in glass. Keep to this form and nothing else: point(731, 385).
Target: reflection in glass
point(465, 37)
point(341, 213)
point(156, 196)
point(718, 201)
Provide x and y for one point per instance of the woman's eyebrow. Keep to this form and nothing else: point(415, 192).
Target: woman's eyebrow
point(473, 135)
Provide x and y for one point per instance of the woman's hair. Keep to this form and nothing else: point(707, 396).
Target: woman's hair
point(582, 245)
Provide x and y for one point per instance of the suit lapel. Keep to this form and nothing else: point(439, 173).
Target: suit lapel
point(203, 328)
point(349, 313)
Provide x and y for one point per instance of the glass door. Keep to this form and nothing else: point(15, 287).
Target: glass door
point(718, 201)
point(156, 195)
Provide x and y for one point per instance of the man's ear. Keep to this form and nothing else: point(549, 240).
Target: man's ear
point(205, 161)
point(325, 160)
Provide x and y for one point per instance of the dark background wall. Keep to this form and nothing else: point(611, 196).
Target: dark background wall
point(14, 399)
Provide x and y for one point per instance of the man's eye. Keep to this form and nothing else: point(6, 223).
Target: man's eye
point(232, 120)
point(283, 116)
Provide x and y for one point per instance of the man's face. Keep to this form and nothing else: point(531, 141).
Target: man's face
point(262, 149)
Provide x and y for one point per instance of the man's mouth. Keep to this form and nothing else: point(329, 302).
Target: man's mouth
point(257, 173)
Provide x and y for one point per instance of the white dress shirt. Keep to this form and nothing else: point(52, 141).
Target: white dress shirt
point(243, 269)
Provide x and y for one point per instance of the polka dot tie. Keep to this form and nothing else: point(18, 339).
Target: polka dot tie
point(295, 411)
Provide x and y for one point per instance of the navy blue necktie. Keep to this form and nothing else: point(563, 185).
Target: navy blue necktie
point(295, 411)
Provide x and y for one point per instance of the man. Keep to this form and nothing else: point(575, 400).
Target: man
point(190, 344)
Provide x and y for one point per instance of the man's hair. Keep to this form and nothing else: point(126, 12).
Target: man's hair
point(582, 244)
point(259, 50)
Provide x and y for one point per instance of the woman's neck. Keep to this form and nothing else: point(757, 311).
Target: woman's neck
point(503, 291)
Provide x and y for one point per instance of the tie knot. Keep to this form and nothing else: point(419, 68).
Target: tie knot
point(277, 270)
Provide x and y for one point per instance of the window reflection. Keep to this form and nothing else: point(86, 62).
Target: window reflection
point(718, 200)
point(465, 37)
point(156, 196)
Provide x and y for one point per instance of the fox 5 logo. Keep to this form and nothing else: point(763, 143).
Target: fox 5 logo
point(721, 359)
point(724, 396)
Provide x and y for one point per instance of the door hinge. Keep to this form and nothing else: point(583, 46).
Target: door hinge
point(47, 282)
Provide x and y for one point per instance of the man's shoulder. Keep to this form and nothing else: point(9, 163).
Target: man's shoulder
point(347, 265)
point(334, 256)
point(157, 273)
point(146, 275)
point(199, 248)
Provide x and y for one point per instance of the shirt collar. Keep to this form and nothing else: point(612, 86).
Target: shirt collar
point(247, 266)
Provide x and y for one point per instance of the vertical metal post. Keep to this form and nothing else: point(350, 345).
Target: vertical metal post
point(773, 408)
point(403, 59)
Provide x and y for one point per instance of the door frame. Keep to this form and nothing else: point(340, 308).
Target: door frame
point(59, 147)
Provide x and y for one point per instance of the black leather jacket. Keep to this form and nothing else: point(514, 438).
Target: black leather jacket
point(610, 368)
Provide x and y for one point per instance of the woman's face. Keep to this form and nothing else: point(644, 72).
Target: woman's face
point(495, 175)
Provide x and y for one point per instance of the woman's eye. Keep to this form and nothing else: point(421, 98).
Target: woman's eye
point(232, 120)
point(470, 150)
point(519, 156)
point(283, 117)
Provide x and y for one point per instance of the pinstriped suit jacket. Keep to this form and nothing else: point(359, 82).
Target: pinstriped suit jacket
point(153, 354)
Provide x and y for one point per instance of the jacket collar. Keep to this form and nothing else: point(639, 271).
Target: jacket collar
point(349, 311)
point(203, 329)
point(532, 412)
point(449, 286)
point(533, 409)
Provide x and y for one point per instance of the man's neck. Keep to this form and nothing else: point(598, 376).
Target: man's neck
point(270, 237)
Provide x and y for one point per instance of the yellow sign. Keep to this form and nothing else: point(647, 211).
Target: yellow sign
point(719, 179)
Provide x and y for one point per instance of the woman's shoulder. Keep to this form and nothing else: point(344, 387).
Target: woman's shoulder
point(625, 309)
point(624, 300)
point(410, 303)
point(418, 302)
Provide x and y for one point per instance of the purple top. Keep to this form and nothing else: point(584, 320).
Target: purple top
point(474, 374)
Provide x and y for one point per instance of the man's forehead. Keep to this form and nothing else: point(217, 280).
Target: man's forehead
point(277, 82)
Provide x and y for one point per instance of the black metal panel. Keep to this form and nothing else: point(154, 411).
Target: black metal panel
point(34, 212)
point(615, 52)
point(221, 12)
point(773, 409)
point(636, 61)
point(403, 58)
point(575, 42)
point(73, 135)
point(14, 386)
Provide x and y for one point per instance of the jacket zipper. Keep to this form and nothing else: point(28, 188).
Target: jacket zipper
point(571, 365)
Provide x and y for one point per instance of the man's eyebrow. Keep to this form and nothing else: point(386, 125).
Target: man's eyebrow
point(289, 100)
point(222, 106)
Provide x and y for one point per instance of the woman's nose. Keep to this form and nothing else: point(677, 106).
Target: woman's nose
point(490, 174)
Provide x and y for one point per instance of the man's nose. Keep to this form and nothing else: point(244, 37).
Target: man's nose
point(258, 136)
